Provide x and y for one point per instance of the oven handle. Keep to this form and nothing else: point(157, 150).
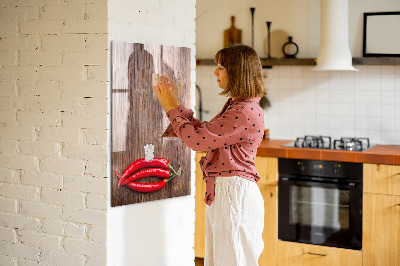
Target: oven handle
point(329, 184)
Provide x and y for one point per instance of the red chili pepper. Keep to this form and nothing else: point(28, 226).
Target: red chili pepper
point(159, 172)
point(150, 187)
point(142, 163)
point(147, 187)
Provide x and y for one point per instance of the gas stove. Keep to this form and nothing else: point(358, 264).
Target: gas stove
point(325, 142)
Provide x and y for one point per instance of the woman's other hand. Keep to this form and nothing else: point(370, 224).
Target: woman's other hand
point(164, 95)
point(174, 89)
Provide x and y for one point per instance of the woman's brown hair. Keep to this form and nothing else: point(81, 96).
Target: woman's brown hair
point(245, 78)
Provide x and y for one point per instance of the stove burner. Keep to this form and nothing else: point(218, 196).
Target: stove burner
point(351, 144)
point(308, 141)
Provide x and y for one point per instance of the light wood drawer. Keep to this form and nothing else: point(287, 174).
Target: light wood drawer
point(293, 254)
point(381, 179)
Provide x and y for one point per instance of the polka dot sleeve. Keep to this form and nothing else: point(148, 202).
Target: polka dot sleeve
point(186, 113)
point(223, 131)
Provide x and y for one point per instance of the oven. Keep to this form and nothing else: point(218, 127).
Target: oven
point(320, 202)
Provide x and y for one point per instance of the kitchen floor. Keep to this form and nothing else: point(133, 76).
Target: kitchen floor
point(198, 262)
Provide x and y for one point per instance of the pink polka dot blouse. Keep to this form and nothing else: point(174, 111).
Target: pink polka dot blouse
point(231, 139)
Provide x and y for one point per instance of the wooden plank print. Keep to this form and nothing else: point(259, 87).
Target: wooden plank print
point(137, 118)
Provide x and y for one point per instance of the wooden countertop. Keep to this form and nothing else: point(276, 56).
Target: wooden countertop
point(379, 154)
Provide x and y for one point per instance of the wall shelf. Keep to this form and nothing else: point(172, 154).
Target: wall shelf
point(312, 61)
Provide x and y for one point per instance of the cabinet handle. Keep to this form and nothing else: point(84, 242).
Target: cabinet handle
point(318, 254)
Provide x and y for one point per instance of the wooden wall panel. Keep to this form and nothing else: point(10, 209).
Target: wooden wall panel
point(137, 118)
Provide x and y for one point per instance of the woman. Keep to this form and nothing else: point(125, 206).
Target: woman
point(235, 207)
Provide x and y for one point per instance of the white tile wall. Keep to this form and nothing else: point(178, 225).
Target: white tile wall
point(338, 104)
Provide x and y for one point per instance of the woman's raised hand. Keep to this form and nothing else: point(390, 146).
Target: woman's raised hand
point(164, 94)
point(174, 89)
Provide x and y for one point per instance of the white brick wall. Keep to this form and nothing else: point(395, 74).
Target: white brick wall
point(53, 111)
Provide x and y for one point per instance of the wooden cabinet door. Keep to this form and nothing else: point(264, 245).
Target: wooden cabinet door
point(200, 207)
point(381, 179)
point(270, 233)
point(267, 168)
point(381, 230)
point(298, 254)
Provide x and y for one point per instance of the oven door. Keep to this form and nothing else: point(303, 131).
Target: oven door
point(320, 212)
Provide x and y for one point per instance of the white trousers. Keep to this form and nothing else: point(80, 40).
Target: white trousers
point(234, 223)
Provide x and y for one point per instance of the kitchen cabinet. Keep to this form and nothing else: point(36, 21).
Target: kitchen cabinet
point(381, 179)
point(200, 207)
point(381, 215)
point(298, 254)
point(267, 167)
point(381, 230)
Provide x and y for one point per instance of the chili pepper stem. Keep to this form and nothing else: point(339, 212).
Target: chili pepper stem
point(174, 174)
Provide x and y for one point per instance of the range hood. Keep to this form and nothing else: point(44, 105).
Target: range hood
point(334, 51)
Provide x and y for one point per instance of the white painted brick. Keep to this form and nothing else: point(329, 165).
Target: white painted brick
point(8, 260)
point(39, 58)
point(97, 11)
point(19, 13)
point(98, 73)
point(40, 27)
point(19, 221)
point(94, 201)
point(8, 145)
point(85, 152)
point(84, 247)
point(63, 197)
point(7, 88)
point(18, 72)
point(19, 250)
point(98, 169)
point(18, 191)
point(8, 58)
point(8, 204)
point(40, 148)
point(19, 43)
point(98, 121)
point(39, 87)
point(88, 88)
point(39, 118)
point(66, 135)
point(62, 12)
point(53, 227)
point(95, 105)
point(86, 184)
point(96, 137)
point(88, 57)
point(25, 103)
point(98, 42)
point(60, 73)
point(38, 209)
point(41, 179)
point(97, 234)
point(84, 216)
point(62, 166)
point(35, 2)
point(8, 234)
point(7, 117)
point(35, 239)
point(60, 258)
point(17, 132)
point(7, 175)
point(97, 260)
point(26, 262)
point(61, 104)
point(65, 42)
point(18, 161)
point(85, 26)
point(75, 230)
